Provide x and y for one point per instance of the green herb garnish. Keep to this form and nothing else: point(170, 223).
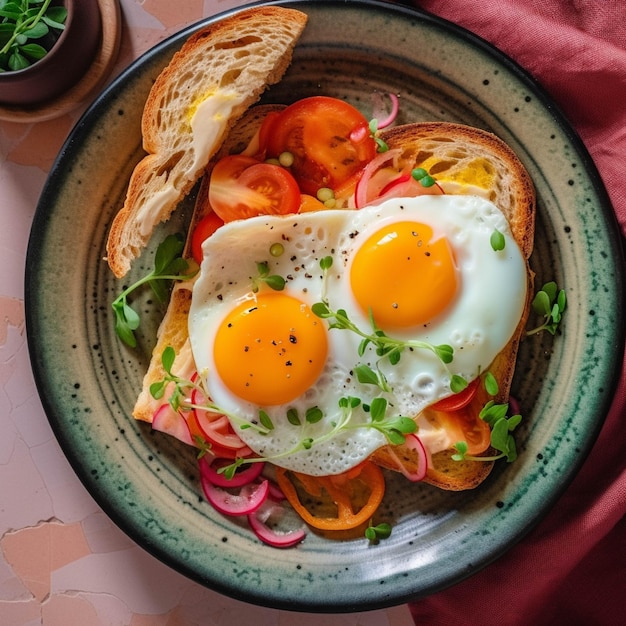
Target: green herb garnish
point(21, 23)
point(381, 146)
point(380, 531)
point(549, 302)
point(501, 427)
point(393, 427)
point(169, 265)
point(423, 177)
point(273, 281)
point(182, 391)
point(384, 345)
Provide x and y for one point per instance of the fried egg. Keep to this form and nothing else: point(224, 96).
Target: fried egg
point(418, 270)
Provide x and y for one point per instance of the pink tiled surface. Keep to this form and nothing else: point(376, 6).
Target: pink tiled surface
point(62, 561)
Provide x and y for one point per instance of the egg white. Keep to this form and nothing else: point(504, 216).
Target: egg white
point(478, 325)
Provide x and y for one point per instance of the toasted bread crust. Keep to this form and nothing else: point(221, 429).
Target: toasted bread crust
point(172, 332)
point(238, 57)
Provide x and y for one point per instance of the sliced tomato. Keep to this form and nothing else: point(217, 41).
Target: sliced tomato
point(243, 187)
point(355, 495)
point(265, 131)
point(466, 425)
point(458, 400)
point(203, 230)
point(309, 203)
point(328, 138)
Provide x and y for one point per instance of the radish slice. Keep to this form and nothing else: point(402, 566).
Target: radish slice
point(365, 191)
point(276, 539)
point(209, 467)
point(249, 498)
point(215, 427)
point(387, 121)
point(276, 493)
point(413, 442)
point(514, 405)
point(171, 422)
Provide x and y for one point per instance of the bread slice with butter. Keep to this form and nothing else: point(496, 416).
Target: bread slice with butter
point(210, 82)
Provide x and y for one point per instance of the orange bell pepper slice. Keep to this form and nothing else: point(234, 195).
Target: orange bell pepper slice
point(347, 490)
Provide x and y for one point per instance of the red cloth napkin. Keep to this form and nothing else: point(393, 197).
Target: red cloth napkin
point(571, 569)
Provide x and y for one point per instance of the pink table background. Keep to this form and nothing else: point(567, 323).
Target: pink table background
point(62, 561)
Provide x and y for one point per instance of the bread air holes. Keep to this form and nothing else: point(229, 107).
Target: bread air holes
point(441, 166)
point(167, 167)
point(242, 42)
point(230, 77)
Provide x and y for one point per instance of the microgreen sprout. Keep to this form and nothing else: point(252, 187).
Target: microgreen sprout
point(273, 281)
point(380, 531)
point(497, 240)
point(550, 303)
point(395, 428)
point(202, 444)
point(169, 265)
point(423, 177)
point(384, 346)
point(381, 146)
point(501, 427)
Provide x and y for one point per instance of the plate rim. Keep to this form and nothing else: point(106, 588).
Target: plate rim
point(56, 175)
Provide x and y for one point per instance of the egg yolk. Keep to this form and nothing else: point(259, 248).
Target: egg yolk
point(404, 275)
point(270, 350)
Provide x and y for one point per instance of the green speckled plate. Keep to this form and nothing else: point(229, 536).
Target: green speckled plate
point(148, 483)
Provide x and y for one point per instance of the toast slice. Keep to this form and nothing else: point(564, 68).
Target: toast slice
point(462, 158)
point(210, 82)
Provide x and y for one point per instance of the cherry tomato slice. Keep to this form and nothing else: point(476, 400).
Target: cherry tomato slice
point(203, 230)
point(328, 138)
point(309, 203)
point(466, 425)
point(242, 187)
point(458, 400)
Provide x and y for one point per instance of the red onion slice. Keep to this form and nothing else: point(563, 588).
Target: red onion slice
point(258, 519)
point(171, 422)
point(395, 105)
point(413, 442)
point(209, 470)
point(249, 498)
point(365, 191)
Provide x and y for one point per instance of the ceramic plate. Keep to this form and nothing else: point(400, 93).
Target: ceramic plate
point(148, 483)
